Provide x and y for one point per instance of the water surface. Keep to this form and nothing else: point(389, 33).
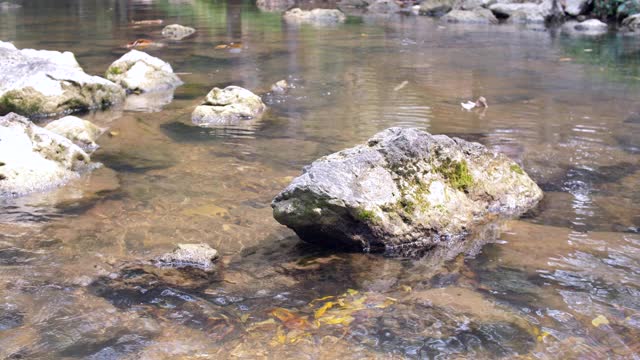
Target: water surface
point(563, 282)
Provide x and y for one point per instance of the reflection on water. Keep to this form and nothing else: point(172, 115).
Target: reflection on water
point(563, 282)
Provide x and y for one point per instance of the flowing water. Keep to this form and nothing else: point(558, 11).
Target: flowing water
point(562, 282)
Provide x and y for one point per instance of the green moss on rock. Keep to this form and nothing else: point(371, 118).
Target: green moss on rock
point(456, 173)
point(517, 169)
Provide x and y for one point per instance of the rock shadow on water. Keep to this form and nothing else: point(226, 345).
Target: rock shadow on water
point(185, 133)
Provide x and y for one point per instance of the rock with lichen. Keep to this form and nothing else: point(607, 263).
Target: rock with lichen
point(320, 17)
point(201, 256)
point(81, 132)
point(403, 188)
point(44, 83)
point(34, 159)
point(139, 72)
point(227, 106)
point(177, 31)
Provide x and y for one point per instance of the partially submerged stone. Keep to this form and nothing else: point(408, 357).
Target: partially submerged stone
point(475, 16)
point(315, 16)
point(201, 256)
point(177, 31)
point(587, 27)
point(41, 83)
point(139, 72)
point(436, 7)
point(34, 159)
point(81, 132)
point(280, 87)
point(228, 105)
point(274, 5)
point(404, 188)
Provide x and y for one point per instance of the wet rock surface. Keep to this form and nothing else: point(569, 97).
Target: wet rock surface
point(476, 16)
point(34, 159)
point(228, 105)
point(314, 17)
point(404, 188)
point(200, 256)
point(140, 72)
point(42, 82)
point(81, 132)
point(274, 5)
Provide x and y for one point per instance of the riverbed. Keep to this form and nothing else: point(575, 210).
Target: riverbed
point(561, 282)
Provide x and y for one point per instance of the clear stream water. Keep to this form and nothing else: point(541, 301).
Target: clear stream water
point(562, 282)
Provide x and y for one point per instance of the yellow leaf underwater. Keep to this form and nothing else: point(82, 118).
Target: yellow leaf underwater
point(328, 305)
point(600, 320)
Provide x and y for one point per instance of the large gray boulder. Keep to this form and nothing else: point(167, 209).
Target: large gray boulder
point(475, 16)
point(41, 82)
point(314, 17)
point(34, 159)
point(139, 72)
point(404, 188)
point(81, 132)
point(227, 106)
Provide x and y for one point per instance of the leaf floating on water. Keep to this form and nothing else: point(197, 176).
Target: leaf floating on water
point(400, 86)
point(328, 305)
point(221, 46)
point(148, 22)
point(565, 59)
point(600, 320)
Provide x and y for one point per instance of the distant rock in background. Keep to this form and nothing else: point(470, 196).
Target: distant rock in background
point(592, 27)
point(177, 32)
point(315, 16)
point(46, 83)
point(274, 5)
point(476, 16)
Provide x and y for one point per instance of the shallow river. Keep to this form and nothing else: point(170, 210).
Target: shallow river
point(562, 282)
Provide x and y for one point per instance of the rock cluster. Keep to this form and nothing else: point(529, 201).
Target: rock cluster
point(34, 159)
point(44, 83)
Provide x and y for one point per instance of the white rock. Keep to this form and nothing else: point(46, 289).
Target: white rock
point(81, 132)
point(138, 71)
point(34, 159)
